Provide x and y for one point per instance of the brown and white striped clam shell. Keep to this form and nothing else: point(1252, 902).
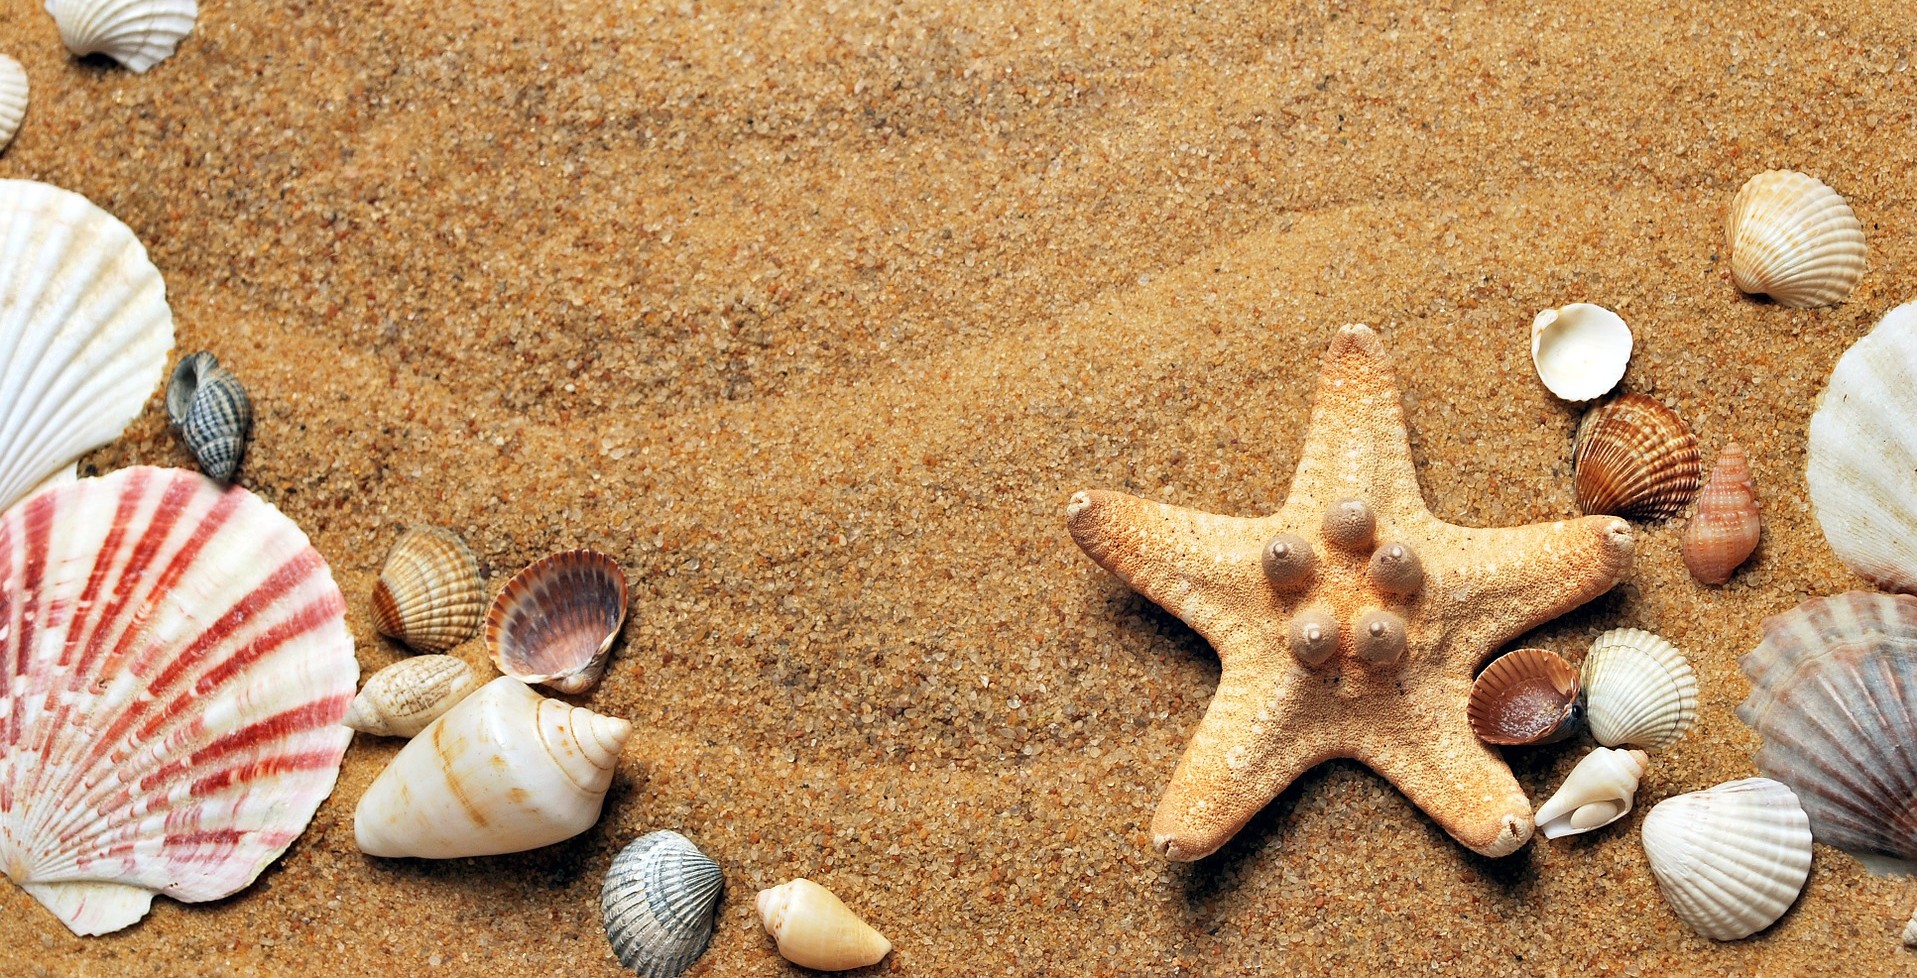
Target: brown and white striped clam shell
point(1725, 530)
point(429, 594)
point(1635, 458)
point(555, 621)
point(1793, 238)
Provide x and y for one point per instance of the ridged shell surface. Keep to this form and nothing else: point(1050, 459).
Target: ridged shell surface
point(1638, 690)
point(211, 411)
point(137, 33)
point(84, 332)
point(1635, 458)
point(13, 99)
point(815, 929)
point(1597, 792)
point(429, 594)
point(401, 699)
point(1834, 696)
point(658, 902)
point(1793, 238)
point(555, 621)
point(1523, 697)
point(1863, 449)
point(1727, 524)
point(505, 770)
point(177, 665)
point(1731, 859)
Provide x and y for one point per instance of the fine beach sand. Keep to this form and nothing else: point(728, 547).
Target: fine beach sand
point(815, 314)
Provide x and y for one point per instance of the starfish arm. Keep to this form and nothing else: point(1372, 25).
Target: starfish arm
point(1193, 564)
point(1530, 574)
point(1459, 781)
point(1357, 446)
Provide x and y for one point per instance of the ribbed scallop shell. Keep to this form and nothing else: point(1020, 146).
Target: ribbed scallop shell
point(1597, 792)
point(401, 699)
point(429, 595)
point(13, 99)
point(1863, 449)
point(555, 621)
point(177, 665)
point(84, 332)
point(658, 901)
point(1725, 529)
point(1638, 690)
point(1730, 859)
point(210, 409)
point(815, 929)
point(1634, 458)
point(1834, 696)
point(137, 33)
point(1524, 697)
point(1580, 350)
point(1794, 239)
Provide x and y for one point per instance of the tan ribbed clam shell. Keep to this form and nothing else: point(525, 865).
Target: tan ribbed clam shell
point(1635, 458)
point(429, 594)
point(1794, 239)
point(1725, 529)
point(555, 621)
point(1523, 697)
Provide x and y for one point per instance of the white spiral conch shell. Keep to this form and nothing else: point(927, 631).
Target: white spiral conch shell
point(1731, 859)
point(401, 699)
point(1638, 690)
point(13, 99)
point(1580, 350)
point(815, 929)
point(1596, 793)
point(137, 33)
point(504, 771)
point(1793, 238)
point(1861, 454)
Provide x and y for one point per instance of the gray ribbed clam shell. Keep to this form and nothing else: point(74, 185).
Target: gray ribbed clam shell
point(212, 412)
point(658, 900)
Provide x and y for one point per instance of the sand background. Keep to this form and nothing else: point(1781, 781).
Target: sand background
point(814, 315)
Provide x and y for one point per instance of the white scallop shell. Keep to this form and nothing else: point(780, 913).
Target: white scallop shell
point(176, 667)
point(505, 770)
point(13, 98)
point(1639, 690)
point(1580, 350)
point(84, 332)
point(657, 902)
point(1596, 793)
point(1863, 449)
point(401, 699)
point(137, 33)
point(815, 929)
point(1793, 238)
point(1730, 859)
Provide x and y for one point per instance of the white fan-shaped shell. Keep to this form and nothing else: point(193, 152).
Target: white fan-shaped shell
point(1793, 238)
point(1731, 859)
point(84, 331)
point(1863, 449)
point(657, 902)
point(13, 99)
point(1580, 350)
point(1639, 690)
point(1597, 792)
point(137, 33)
point(176, 667)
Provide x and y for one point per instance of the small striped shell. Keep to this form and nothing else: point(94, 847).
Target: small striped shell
point(401, 699)
point(176, 666)
point(1793, 238)
point(13, 99)
point(210, 409)
point(1725, 529)
point(429, 595)
point(1731, 859)
point(1638, 690)
point(1529, 696)
point(658, 902)
point(137, 33)
point(1635, 458)
point(1863, 450)
point(555, 621)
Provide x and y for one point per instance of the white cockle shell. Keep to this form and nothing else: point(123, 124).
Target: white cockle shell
point(401, 699)
point(13, 99)
point(1638, 690)
point(1793, 238)
point(1580, 350)
point(657, 903)
point(137, 33)
point(815, 929)
point(1730, 859)
point(176, 668)
point(1597, 792)
point(84, 332)
point(1862, 454)
point(505, 770)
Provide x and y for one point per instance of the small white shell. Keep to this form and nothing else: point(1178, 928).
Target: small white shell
point(401, 699)
point(13, 98)
point(1639, 690)
point(1596, 793)
point(137, 33)
point(1794, 239)
point(815, 929)
point(657, 903)
point(1731, 859)
point(1580, 350)
point(1862, 455)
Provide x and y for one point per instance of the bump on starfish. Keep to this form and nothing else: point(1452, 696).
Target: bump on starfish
point(1332, 644)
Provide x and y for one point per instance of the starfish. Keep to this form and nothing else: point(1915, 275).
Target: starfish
point(1349, 623)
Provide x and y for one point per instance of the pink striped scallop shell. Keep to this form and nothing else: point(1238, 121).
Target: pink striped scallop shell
point(176, 666)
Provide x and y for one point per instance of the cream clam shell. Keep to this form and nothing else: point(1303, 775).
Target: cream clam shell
point(1638, 690)
point(1580, 350)
point(1793, 238)
point(1731, 859)
point(1861, 454)
point(815, 929)
point(13, 99)
point(137, 33)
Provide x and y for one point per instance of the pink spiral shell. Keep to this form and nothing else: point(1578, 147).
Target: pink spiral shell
point(1726, 527)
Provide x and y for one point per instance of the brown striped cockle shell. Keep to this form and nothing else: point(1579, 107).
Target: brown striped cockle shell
point(429, 594)
point(555, 621)
point(1635, 458)
point(1725, 529)
point(1529, 696)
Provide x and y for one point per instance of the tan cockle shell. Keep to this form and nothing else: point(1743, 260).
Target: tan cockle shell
point(815, 929)
point(429, 594)
point(1528, 696)
point(1726, 527)
point(1793, 238)
point(401, 699)
point(1597, 792)
point(1634, 458)
point(554, 622)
